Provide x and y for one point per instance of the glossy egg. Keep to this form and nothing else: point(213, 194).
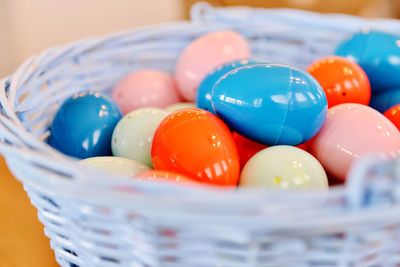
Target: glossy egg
point(304, 146)
point(145, 88)
point(351, 131)
point(156, 175)
point(378, 53)
point(284, 167)
point(197, 144)
point(203, 99)
point(246, 148)
point(393, 114)
point(179, 106)
point(269, 103)
point(204, 54)
point(116, 165)
point(382, 101)
point(343, 80)
point(83, 125)
point(133, 135)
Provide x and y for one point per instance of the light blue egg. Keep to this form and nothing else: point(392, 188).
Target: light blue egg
point(378, 53)
point(84, 124)
point(272, 104)
point(204, 91)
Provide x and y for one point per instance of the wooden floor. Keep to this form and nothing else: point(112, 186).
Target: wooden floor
point(22, 241)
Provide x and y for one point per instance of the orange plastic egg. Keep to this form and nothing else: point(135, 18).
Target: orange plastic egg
point(154, 175)
point(304, 145)
point(197, 144)
point(343, 80)
point(393, 114)
point(246, 148)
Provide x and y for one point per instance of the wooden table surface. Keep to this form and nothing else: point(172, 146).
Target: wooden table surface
point(22, 240)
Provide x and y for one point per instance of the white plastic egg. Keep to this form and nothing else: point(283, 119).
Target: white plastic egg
point(116, 165)
point(133, 136)
point(284, 167)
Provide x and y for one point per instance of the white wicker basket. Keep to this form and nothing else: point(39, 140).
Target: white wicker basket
point(94, 220)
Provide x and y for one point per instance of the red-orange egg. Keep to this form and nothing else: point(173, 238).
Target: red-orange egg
point(304, 146)
point(393, 114)
point(343, 80)
point(246, 148)
point(197, 144)
point(154, 175)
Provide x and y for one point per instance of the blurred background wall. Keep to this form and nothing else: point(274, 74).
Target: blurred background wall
point(29, 26)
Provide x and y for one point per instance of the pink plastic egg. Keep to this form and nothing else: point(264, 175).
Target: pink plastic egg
point(204, 54)
point(351, 131)
point(145, 88)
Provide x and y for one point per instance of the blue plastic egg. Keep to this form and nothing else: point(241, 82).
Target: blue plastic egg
point(272, 104)
point(382, 101)
point(378, 53)
point(84, 124)
point(204, 91)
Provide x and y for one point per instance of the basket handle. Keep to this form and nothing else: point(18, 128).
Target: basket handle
point(373, 181)
point(205, 13)
point(12, 132)
point(200, 11)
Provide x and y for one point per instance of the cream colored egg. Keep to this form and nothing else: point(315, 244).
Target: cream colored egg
point(133, 135)
point(116, 165)
point(284, 167)
point(181, 105)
